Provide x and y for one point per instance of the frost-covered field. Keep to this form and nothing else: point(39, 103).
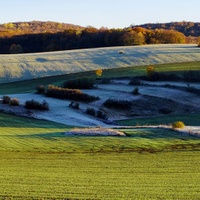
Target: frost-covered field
point(28, 66)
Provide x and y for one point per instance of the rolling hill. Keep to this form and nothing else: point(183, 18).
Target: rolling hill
point(187, 28)
point(29, 66)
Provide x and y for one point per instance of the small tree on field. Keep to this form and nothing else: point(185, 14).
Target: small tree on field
point(178, 124)
point(98, 72)
point(135, 91)
point(150, 70)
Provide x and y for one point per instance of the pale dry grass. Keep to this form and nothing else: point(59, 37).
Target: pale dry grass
point(29, 66)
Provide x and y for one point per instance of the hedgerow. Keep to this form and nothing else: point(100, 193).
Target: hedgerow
point(35, 105)
point(72, 94)
point(81, 83)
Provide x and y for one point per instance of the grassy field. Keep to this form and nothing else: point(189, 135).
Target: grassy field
point(39, 162)
point(30, 85)
point(29, 66)
point(188, 119)
point(168, 175)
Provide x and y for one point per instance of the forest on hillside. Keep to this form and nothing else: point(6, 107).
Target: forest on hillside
point(187, 28)
point(29, 37)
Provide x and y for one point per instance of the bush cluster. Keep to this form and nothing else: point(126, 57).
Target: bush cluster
point(117, 104)
point(40, 89)
point(35, 105)
point(157, 76)
point(90, 111)
point(81, 83)
point(14, 102)
point(8, 100)
point(73, 94)
point(93, 112)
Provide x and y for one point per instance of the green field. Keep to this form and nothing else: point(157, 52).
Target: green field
point(169, 175)
point(39, 162)
point(188, 119)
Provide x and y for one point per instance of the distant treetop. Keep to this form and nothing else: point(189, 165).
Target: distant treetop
point(187, 28)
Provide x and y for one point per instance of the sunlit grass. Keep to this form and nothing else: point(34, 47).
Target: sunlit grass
point(168, 175)
point(36, 65)
point(39, 162)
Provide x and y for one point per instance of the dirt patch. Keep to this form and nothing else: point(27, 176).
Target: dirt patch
point(95, 132)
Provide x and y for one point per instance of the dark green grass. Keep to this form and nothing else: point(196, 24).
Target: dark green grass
point(30, 85)
point(188, 119)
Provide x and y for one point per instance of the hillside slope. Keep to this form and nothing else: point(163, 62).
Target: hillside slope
point(187, 28)
point(29, 66)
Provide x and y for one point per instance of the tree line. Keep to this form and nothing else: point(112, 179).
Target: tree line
point(187, 28)
point(78, 37)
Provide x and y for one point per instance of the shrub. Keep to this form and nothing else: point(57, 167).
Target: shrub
point(40, 89)
point(90, 111)
point(135, 91)
point(6, 100)
point(14, 102)
point(73, 94)
point(81, 83)
point(101, 115)
point(117, 104)
point(74, 105)
point(35, 105)
point(178, 124)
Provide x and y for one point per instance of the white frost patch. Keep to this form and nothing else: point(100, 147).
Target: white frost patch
point(192, 130)
point(95, 132)
point(59, 111)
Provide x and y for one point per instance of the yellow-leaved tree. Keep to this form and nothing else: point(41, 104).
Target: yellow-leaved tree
point(150, 70)
point(98, 72)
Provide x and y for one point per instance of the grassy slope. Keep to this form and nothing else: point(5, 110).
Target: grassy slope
point(28, 66)
point(29, 85)
point(188, 119)
point(38, 161)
